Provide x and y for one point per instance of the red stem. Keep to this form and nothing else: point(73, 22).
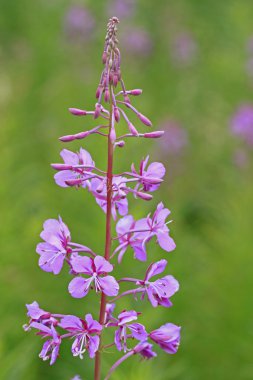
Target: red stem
point(108, 237)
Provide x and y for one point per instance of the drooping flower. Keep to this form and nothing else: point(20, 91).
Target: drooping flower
point(167, 337)
point(119, 200)
point(76, 169)
point(86, 333)
point(50, 349)
point(124, 325)
point(56, 247)
point(95, 269)
point(149, 178)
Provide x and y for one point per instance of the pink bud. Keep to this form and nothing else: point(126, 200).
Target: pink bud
point(97, 111)
point(61, 166)
point(74, 182)
point(116, 114)
point(145, 196)
point(120, 144)
point(104, 57)
point(77, 112)
point(110, 77)
point(135, 92)
point(107, 95)
point(67, 138)
point(99, 91)
point(144, 119)
point(153, 135)
point(132, 129)
point(82, 135)
point(126, 98)
point(115, 80)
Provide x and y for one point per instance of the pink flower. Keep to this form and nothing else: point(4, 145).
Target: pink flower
point(86, 333)
point(167, 337)
point(95, 269)
point(150, 178)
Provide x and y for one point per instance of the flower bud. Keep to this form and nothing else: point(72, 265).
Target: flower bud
point(126, 99)
point(74, 182)
point(115, 79)
point(104, 57)
point(67, 138)
point(145, 196)
point(99, 90)
point(97, 110)
point(153, 135)
point(116, 114)
point(82, 135)
point(61, 167)
point(112, 135)
point(77, 112)
point(135, 92)
point(132, 129)
point(107, 95)
point(144, 119)
point(120, 143)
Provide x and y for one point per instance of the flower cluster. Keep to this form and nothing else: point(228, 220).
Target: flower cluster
point(91, 271)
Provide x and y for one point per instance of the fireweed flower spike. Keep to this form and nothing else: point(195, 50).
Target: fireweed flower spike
point(92, 271)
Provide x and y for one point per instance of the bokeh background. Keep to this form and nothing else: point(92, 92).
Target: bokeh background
point(194, 61)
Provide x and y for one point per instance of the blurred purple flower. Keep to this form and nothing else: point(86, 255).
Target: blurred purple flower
point(137, 41)
point(184, 49)
point(95, 269)
point(242, 123)
point(167, 337)
point(79, 24)
point(175, 138)
point(86, 333)
point(145, 350)
point(121, 8)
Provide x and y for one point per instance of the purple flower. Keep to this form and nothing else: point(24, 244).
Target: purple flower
point(137, 330)
point(145, 350)
point(37, 314)
point(95, 269)
point(137, 41)
point(184, 49)
point(242, 123)
point(55, 249)
point(175, 138)
point(127, 238)
point(119, 200)
point(86, 333)
point(78, 24)
point(77, 377)
point(51, 347)
point(76, 169)
point(159, 291)
point(167, 337)
point(109, 308)
point(149, 178)
point(137, 234)
point(121, 8)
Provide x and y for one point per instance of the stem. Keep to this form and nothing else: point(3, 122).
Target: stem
point(115, 365)
point(108, 237)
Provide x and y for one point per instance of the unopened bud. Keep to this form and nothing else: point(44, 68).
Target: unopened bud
point(112, 135)
point(126, 99)
point(144, 119)
point(135, 92)
point(67, 138)
point(61, 166)
point(115, 79)
point(132, 129)
point(120, 143)
point(104, 57)
point(97, 111)
point(99, 90)
point(77, 112)
point(107, 95)
point(153, 135)
point(74, 182)
point(144, 196)
point(116, 114)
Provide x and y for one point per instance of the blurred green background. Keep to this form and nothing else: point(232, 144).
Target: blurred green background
point(49, 62)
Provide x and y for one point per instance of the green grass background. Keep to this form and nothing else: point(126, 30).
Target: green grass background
point(41, 75)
